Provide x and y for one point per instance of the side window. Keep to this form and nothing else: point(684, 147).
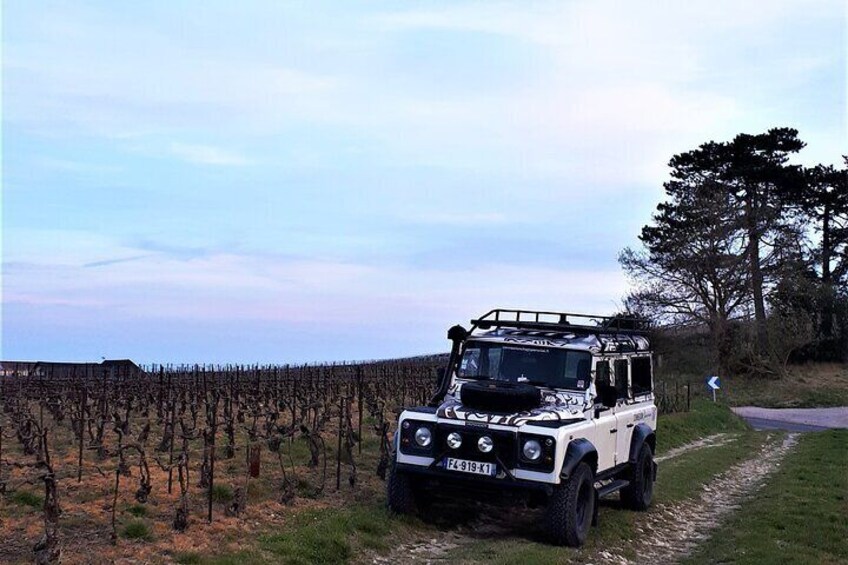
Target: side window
point(470, 364)
point(602, 374)
point(642, 375)
point(621, 378)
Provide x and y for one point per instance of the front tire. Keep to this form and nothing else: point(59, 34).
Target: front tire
point(571, 507)
point(638, 494)
point(400, 494)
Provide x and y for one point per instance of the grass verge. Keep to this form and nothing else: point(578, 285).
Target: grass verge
point(330, 536)
point(705, 418)
point(804, 386)
point(800, 516)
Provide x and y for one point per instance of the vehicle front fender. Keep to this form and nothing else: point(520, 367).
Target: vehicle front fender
point(580, 449)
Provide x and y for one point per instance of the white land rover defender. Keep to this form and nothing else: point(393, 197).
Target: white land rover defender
point(560, 411)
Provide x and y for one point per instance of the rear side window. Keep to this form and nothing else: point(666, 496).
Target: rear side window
point(621, 377)
point(602, 374)
point(642, 375)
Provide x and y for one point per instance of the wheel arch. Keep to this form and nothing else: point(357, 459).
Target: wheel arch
point(579, 450)
point(642, 434)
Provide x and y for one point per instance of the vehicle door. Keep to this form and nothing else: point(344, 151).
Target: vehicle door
point(640, 405)
point(605, 421)
point(625, 411)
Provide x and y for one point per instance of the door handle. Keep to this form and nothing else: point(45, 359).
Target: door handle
point(630, 425)
point(614, 430)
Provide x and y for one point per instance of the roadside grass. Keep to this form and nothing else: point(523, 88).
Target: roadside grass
point(800, 516)
point(332, 536)
point(805, 386)
point(704, 419)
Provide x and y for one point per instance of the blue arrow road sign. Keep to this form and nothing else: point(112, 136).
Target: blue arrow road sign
point(713, 382)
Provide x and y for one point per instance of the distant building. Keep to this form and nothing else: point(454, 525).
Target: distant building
point(109, 367)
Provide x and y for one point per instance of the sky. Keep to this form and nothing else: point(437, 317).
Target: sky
point(271, 182)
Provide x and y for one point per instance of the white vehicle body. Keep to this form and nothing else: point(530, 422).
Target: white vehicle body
point(549, 407)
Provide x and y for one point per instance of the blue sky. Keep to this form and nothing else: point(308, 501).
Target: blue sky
point(272, 182)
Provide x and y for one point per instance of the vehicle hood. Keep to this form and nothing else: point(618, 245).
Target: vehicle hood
point(556, 406)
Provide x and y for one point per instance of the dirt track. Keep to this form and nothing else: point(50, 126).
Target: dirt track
point(714, 440)
point(669, 533)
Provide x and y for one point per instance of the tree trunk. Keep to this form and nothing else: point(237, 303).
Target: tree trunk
point(722, 343)
point(752, 225)
point(826, 253)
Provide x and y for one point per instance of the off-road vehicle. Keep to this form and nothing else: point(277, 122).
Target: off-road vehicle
point(536, 404)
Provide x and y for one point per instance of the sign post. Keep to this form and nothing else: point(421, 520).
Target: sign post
point(714, 384)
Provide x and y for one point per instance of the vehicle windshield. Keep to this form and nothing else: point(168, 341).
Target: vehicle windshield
point(541, 366)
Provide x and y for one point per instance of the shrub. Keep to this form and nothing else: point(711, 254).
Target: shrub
point(137, 510)
point(222, 493)
point(27, 498)
point(137, 530)
point(188, 558)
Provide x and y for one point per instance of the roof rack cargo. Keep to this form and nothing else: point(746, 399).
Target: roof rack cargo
point(560, 321)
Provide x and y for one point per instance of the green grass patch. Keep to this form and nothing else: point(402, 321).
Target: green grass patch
point(222, 493)
point(330, 536)
point(27, 498)
point(138, 510)
point(136, 530)
point(800, 516)
point(704, 419)
point(188, 558)
point(238, 558)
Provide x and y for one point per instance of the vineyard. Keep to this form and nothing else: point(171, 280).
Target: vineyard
point(105, 460)
point(199, 443)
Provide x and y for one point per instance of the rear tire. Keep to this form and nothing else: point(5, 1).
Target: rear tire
point(571, 508)
point(638, 494)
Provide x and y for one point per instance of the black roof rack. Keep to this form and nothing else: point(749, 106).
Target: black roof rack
point(560, 321)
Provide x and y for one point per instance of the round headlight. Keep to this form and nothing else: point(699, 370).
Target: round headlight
point(532, 450)
point(423, 437)
point(485, 444)
point(454, 440)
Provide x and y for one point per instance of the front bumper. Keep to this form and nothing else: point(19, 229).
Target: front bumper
point(443, 478)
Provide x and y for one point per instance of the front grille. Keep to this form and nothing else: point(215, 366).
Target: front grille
point(505, 444)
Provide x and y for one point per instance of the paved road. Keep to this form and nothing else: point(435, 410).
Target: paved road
point(794, 419)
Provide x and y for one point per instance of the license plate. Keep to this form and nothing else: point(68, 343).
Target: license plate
point(474, 467)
